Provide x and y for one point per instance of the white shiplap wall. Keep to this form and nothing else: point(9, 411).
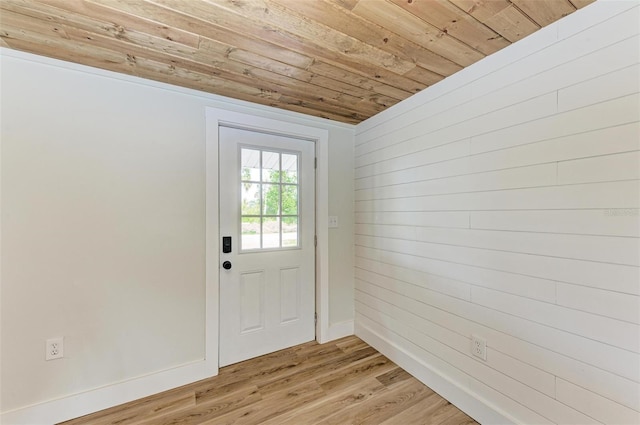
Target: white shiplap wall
point(503, 202)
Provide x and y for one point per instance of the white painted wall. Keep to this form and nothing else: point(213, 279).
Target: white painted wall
point(341, 169)
point(503, 202)
point(103, 225)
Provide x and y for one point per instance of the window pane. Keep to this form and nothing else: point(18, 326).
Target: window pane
point(271, 232)
point(289, 200)
point(250, 233)
point(271, 199)
point(271, 167)
point(289, 168)
point(250, 159)
point(250, 198)
point(289, 231)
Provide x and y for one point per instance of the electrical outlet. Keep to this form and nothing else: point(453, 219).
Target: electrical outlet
point(333, 221)
point(479, 347)
point(54, 349)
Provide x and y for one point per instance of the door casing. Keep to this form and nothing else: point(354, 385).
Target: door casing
point(214, 118)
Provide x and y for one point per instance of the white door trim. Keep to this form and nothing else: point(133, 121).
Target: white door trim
point(214, 118)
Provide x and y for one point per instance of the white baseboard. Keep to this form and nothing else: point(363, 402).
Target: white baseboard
point(340, 330)
point(81, 404)
point(466, 401)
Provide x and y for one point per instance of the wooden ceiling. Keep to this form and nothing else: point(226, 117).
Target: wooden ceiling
point(344, 60)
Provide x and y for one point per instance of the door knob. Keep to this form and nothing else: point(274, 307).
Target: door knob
point(226, 265)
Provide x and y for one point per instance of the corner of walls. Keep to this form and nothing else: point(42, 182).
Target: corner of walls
point(340, 330)
point(483, 411)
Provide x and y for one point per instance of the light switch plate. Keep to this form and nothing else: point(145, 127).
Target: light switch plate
point(333, 221)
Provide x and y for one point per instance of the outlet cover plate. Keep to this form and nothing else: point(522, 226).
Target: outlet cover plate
point(54, 349)
point(479, 347)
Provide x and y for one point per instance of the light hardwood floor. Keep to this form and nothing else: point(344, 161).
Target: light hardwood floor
point(342, 382)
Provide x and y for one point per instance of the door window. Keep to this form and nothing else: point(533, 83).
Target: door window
point(269, 184)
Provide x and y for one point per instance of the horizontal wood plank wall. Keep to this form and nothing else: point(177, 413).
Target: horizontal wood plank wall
point(504, 202)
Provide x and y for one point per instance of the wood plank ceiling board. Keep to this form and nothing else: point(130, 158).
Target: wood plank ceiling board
point(449, 19)
point(311, 31)
point(545, 12)
point(345, 22)
point(253, 24)
point(420, 32)
point(344, 60)
point(501, 16)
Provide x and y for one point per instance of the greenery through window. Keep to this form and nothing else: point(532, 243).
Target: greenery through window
point(270, 199)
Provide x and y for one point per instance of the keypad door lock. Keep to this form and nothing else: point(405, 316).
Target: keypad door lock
point(226, 244)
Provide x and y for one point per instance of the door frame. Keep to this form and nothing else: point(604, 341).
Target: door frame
point(214, 119)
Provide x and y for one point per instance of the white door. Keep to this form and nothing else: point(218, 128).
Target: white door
point(267, 251)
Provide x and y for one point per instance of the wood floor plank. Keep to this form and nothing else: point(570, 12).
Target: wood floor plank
point(340, 383)
point(316, 371)
point(206, 392)
point(349, 344)
point(372, 366)
point(337, 401)
point(210, 410)
point(277, 404)
point(393, 376)
point(435, 410)
point(382, 406)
